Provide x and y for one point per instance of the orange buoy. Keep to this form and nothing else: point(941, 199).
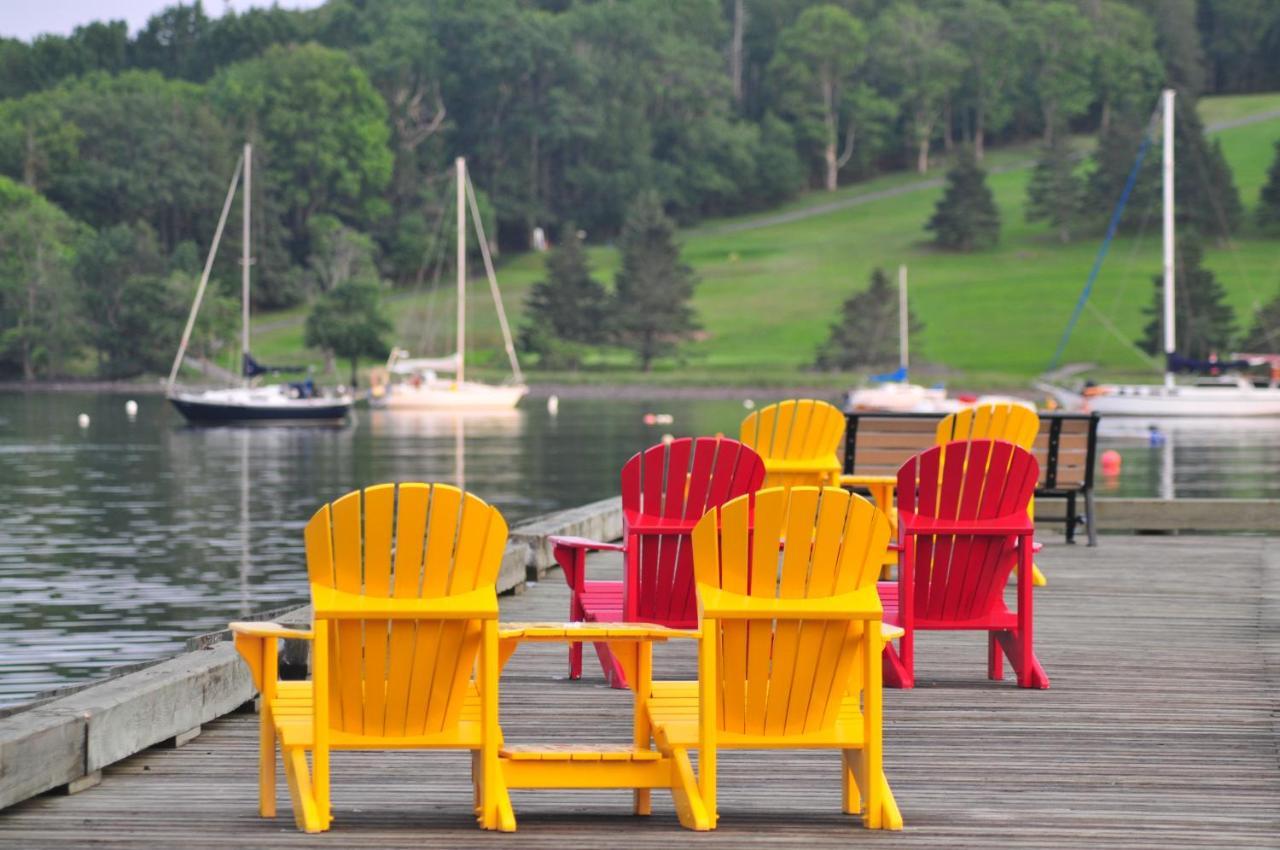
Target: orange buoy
point(1111, 462)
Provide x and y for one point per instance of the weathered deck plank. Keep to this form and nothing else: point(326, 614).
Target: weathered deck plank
point(1160, 731)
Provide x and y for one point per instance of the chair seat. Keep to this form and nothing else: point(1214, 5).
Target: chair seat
point(1000, 618)
point(673, 710)
point(602, 600)
point(293, 707)
point(576, 752)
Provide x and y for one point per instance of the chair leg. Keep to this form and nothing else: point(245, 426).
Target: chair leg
point(1071, 517)
point(694, 811)
point(851, 793)
point(1090, 523)
point(306, 809)
point(575, 660)
point(266, 761)
point(995, 658)
point(613, 673)
point(899, 666)
point(1022, 659)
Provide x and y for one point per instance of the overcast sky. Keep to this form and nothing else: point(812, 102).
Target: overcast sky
point(26, 19)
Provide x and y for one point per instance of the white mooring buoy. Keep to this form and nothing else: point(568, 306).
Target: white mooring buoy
point(83, 420)
point(553, 405)
point(131, 408)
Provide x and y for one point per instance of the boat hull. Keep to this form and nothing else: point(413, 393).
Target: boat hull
point(447, 395)
point(222, 407)
point(1227, 401)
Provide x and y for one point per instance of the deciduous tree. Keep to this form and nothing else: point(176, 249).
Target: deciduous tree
point(348, 322)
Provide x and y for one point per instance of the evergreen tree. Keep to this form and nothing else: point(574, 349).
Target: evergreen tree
point(966, 216)
point(1206, 197)
point(568, 310)
point(347, 321)
point(867, 333)
point(653, 287)
point(1055, 193)
point(1204, 322)
point(1268, 211)
point(1264, 334)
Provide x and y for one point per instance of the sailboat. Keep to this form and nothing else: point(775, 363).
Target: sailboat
point(418, 383)
point(892, 392)
point(290, 402)
point(1218, 396)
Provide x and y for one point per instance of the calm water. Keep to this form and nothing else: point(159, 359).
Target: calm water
point(119, 541)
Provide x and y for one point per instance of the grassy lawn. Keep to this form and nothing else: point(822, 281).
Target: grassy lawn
point(991, 319)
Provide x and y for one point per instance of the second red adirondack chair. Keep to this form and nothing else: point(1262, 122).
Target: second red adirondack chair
point(963, 526)
point(665, 491)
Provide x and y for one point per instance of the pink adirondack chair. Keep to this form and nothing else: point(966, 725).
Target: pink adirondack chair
point(963, 526)
point(665, 491)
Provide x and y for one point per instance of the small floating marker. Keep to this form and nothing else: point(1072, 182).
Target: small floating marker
point(663, 418)
point(131, 408)
point(83, 420)
point(1155, 437)
point(748, 404)
point(553, 405)
point(667, 439)
point(650, 419)
point(1111, 462)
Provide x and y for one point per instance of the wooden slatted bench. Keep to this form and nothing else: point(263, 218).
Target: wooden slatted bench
point(878, 443)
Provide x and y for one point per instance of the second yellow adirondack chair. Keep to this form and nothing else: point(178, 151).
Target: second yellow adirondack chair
point(790, 646)
point(1013, 423)
point(403, 587)
point(798, 440)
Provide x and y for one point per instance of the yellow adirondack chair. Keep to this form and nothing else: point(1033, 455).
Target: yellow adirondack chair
point(789, 653)
point(798, 440)
point(1014, 423)
point(403, 589)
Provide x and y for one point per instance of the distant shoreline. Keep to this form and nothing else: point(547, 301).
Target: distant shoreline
point(622, 391)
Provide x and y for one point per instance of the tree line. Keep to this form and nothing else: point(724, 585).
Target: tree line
point(116, 148)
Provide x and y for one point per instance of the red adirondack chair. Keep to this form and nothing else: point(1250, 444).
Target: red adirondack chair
point(665, 491)
point(962, 526)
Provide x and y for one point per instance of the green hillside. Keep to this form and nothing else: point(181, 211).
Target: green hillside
point(768, 292)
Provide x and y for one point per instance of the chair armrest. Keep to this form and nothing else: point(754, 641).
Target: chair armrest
point(559, 542)
point(1016, 523)
point(269, 630)
point(333, 604)
point(868, 480)
point(723, 605)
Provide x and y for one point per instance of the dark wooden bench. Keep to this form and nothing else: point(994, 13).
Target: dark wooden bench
point(878, 443)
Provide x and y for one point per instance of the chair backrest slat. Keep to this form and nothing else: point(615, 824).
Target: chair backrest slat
point(804, 431)
point(403, 677)
point(676, 482)
point(787, 676)
point(959, 576)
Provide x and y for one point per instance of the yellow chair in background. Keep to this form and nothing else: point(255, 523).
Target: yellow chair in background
point(1009, 421)
point(403, 585)
point(798, 441)
point(790, 647)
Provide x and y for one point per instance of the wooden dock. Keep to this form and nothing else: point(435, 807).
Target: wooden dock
point(1161, 730)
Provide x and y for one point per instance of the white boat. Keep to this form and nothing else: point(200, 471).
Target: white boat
point(1226, 396)
point(298, 401)
point(421, 383)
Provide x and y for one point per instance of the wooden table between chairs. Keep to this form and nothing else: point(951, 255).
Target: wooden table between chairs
point(638, 767)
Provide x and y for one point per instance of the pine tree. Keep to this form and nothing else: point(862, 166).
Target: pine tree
point(1055, 193)
point(1204, 322)
point(1206, 196)
point(966, 216)
point(567, 311)
point(1264, 334)
point(1269, 200)
point(653, 288)
point(867, 333)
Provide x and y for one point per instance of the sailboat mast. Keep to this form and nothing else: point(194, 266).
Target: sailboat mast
point(460, 165)
point(244, 261)
point(903, 360)
point(1170, 340)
